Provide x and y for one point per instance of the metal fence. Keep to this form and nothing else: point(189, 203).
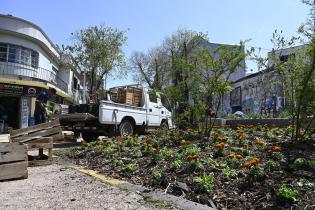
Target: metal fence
point(7, 68)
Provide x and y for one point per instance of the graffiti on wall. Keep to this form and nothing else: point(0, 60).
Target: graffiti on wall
point(235, 97)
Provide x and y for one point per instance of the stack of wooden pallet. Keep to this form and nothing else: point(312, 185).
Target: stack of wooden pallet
point(126, 95)
point(39, 137)
point(13, 161)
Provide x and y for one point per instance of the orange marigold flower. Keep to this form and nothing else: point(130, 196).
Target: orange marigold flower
point(251, 163)
point(276, 149)
point(242, 137)
point(238, 156)
point(231, 155)
point(221, 139)
point(220, 145)
point(185, 142)
point(192, 157)
point(120, 145)
point(259, 142)
point(154, 150)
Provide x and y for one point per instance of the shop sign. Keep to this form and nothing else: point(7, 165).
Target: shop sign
point(18, 90)
point(24, 113)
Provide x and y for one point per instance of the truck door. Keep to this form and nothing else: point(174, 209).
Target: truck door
point(153, 110)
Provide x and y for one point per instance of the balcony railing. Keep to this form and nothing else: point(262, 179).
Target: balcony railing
point(7, 68)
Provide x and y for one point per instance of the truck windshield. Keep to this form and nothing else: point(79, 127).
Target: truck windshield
point(152, 96)
point(165, 102)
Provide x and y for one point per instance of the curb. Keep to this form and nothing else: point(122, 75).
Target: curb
point(175, 201)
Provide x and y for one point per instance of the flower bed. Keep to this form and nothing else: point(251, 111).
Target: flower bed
point(252, 167)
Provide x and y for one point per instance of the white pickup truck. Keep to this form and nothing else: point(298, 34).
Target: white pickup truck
point(152, 110)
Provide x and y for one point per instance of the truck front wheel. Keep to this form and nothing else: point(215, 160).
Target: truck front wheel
point(126, 128)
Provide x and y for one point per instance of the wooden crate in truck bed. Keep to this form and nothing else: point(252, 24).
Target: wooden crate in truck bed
point(126, 95)
point(13, 161)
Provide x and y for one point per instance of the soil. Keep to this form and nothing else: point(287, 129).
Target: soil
point(246, 190)
point(58, 186)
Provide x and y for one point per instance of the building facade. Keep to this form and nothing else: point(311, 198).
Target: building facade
point(262, 92)
point(29, 64)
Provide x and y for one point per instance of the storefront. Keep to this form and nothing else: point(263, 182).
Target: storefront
point(17, 105)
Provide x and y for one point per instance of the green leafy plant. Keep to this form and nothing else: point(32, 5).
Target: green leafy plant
point(205, 181)
point(131, 167)
point(156, 158)
point(166, 152)
point(229, 173)
point(117, 162)
point(195, 165)
point(176, 164)
point(234, 162)
point(303, 163)
point(305, 183)
point(157, 174)
point(192, 150)
point(277, 156)
point(272, 165)
point(256, 172)
point(288, 193)
point(137, 153)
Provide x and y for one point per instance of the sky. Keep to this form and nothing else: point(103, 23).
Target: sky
point(148, 22)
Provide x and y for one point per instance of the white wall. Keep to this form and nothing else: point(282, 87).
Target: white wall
point(45, 61)
point(14, 24)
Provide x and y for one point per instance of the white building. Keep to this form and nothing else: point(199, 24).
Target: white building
point(29, 64)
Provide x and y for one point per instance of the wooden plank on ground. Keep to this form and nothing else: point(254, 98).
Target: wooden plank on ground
point(37, 135)
point(39, 145)
point(32, 129)
point(4, 138)
point(8, 147)
point(39, 163)
point(13, 170)
point(39, 140)
point(10, 152)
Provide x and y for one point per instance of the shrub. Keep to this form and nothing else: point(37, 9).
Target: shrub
point(205, 181)
point(288, 193)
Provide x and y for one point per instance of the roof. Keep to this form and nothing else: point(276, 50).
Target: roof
point(34, 25)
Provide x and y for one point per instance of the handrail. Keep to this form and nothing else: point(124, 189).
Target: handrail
point(8, 68)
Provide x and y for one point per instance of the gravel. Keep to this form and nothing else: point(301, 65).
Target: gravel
point(60, 187)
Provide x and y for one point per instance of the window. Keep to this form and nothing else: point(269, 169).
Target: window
point(13, 54)
point(152, 96)
point(284, 58)
point(3, 52)
point(18, 54)
point(165, 102)
point(75, 83)
point(34, 59)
